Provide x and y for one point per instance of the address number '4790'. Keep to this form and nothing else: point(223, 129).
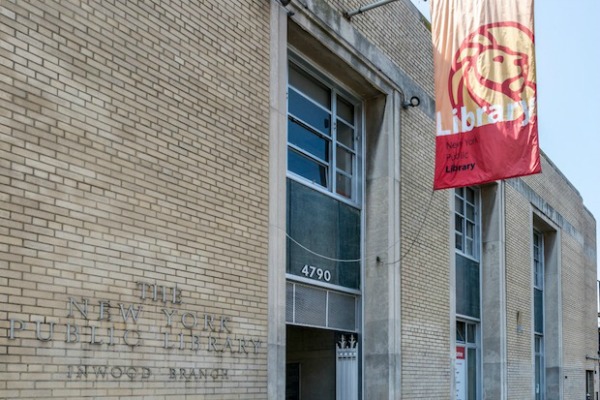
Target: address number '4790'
point(316, 273)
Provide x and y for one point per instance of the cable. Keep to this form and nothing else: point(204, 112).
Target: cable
point(414, 241)
point(411, 246)
point(320, 255)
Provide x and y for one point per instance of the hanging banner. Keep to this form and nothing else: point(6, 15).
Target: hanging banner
point(486, 113)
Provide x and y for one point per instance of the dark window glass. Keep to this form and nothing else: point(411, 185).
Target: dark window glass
point(344, 185)
point(470, 212)
point(345, 110)
point(460, 332)
point(467, 287)
point(306, 167)
point(458, 222)
point(471, 328)
point(308, 141)
point(538, 299)
point(308, 112)
point(470, 195)
point(472, 374)
point(310, 86)
point(344, 160)
point(345, 134)
point(329, 228)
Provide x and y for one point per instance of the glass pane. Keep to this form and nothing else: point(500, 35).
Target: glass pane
point(460, 192)
point(459, 241)
point(537, 276)
point(469, 247)
point(470, 230)
point(289, 302)
point(345, 134)
point(309, 112)
point(308, 141)
point(460, 332)
point(539, 368)
point(467, 287)
point(348, 244)
point(538, 309)
point(345, 110)
point(344, 185)
point(458, 204)
point(458, 223)
point(329, 229)
point(344, 160)
point(472, 374)
point(470, 333)
point(470, 212)
point(310, 87)
point(307, 168)
point(470, 195)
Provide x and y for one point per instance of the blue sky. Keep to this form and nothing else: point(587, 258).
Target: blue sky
point(567, 38)
point(568, 77)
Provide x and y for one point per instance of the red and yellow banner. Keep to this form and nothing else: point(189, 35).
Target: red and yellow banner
point(486, 112)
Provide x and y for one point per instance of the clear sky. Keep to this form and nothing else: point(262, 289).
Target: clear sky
point(567, 35)
point(568, 75)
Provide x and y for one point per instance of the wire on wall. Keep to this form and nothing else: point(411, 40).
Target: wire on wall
point(410, 247)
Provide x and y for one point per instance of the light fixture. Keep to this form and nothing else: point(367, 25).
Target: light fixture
point(413, 102)
point(285, 2)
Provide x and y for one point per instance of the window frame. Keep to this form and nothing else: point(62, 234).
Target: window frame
point(538, 284)
point(473, 345)
point(332, 166)
point(476, 256)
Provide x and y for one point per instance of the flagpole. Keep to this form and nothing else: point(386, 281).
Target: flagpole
point(362, 9)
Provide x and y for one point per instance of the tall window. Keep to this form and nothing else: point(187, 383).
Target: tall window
point(466, 222)
point(467, 339)
point(322, 135)
point(324, 189)
point(467, 242)
point(538, 314)
point(468, 304)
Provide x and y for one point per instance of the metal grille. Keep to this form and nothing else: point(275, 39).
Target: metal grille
point(312, 306)
point(342, 311)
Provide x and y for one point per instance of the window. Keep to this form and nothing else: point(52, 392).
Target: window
point(322, 134)
point(467, 226)
point(466, 221)
point(324, 232)
point(324, 215)
point(468, 292)
point(538, 314)
point(324, 187)
point(467, 339)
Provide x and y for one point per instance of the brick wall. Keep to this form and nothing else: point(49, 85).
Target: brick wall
point(133, 153)
point(551, 196)
point(134, 177)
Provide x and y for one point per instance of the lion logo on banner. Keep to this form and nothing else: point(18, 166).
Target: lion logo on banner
point(493, 67)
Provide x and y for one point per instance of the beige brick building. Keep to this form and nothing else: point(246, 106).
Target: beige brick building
point(231, 200)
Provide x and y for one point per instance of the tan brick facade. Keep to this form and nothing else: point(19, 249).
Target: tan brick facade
point(134, 154)
point(142, 187)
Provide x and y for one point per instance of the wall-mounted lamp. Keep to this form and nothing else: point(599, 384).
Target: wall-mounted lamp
point(285, 2)
point(413, 102)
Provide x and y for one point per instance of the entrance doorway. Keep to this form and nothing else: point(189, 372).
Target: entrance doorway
point(321, 364)
point(310, 363)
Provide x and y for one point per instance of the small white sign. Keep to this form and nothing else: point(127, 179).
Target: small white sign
point(460, 374)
